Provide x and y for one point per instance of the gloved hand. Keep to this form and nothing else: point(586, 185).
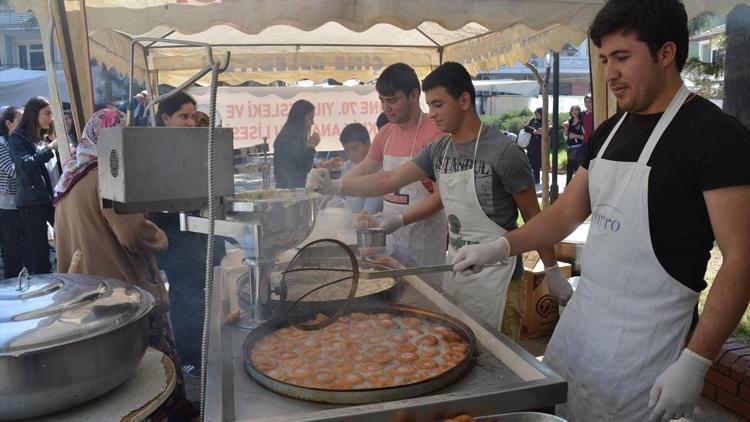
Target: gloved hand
point(471, 259)
point(389, 222)
point(678, 388)
point(319, 180)
point(559, 288)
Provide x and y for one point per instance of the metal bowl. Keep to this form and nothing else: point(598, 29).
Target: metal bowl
point(522, 417)
point(287, 216)
point(66, 339)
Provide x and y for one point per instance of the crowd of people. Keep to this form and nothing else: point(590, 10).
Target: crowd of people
point(577, 130)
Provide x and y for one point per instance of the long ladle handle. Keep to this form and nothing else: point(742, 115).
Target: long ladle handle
point(412, 271)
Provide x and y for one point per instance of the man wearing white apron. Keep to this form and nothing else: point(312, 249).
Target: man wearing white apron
point(660, 184)
point(484, 179)
point(409, 131)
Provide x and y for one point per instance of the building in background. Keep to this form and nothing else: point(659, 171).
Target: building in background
point(575, 76)
point(21, 42)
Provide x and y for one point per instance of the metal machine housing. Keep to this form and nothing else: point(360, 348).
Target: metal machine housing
point(151, 169)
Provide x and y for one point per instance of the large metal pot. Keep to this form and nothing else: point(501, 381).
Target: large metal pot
point(66, 339)
point(570, 249)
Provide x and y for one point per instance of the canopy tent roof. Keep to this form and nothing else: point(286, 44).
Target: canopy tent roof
point(289, 40)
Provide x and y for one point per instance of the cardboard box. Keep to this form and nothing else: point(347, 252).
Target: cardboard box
point(542, 311)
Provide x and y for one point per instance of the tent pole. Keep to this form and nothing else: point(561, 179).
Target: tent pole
point(554, 189)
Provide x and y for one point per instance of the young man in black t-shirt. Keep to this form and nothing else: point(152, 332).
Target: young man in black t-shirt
point(662, 181)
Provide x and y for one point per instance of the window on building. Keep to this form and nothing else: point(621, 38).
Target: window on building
point(31, 56)
point(706, 53)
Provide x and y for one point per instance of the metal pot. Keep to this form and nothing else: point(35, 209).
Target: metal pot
point(570, 249)
point(66, 339)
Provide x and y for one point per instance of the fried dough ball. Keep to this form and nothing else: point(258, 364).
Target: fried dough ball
point(386, 323)
point(323, 377)
point(286, 355)
point(363, 326)
point(266, 366)
point(371, 367)
point(293, 363)
point(380, 380)
point(359, 316)
point(405, 347)
point(342, 367)
point(397, 338)
point(453, 357)
point(378, 349)
point(402, 370)
point(301, 372)
point(427, 363)
point(428, 340)
point(452, 337)
point(407, 357)
point(382, 359)
point(352, 379)
point(411, 322)
point(338, 327)
point(430, 353)
point(413, 332)
point(458, 348)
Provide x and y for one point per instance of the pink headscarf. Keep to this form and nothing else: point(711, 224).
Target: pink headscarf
point(85, 159)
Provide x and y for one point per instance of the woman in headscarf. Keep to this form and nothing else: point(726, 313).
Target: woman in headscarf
point(294, 147)
point(120, 246)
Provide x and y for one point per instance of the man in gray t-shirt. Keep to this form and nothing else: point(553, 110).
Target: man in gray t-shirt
point(484, 180)
point(501, 170)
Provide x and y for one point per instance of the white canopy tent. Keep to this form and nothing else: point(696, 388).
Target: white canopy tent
point(18, 85)
point(316, 39)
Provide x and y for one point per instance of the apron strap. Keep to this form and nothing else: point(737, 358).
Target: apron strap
point(476, 145)
point(611, 135)
point(663, 123)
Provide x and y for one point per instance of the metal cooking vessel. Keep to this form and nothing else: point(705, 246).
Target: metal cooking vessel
point(66, 339)
point(570, 249)
point(287, 216)
point(372, 395)
point(371, 237)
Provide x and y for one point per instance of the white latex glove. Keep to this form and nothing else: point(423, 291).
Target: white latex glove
point(471, 259)
point(678, 388)
point(559, 288)
point(389, 222)
point(319, 180)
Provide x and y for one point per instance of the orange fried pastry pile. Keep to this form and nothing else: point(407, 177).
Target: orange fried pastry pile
point(360, 351)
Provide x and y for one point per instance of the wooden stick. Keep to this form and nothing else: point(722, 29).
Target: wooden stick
point(75, 262)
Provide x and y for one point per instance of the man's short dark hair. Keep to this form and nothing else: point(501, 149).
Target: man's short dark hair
point(453, 77)
point(397, 77)
point(354, 132)
point(654, 22)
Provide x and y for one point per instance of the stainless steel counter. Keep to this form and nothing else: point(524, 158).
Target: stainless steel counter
point(505, 377)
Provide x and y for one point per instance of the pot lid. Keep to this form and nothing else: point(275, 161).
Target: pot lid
point(54, 309)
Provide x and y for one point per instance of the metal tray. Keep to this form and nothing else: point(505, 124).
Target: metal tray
point(371, 395)
point(378, 296)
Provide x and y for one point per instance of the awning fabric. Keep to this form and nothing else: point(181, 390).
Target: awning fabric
point(289, 40)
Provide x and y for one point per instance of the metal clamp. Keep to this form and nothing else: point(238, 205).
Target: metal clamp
point(157, 98)
point(23, 274)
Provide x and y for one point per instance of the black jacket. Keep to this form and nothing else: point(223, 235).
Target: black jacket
point(34, 186)
point(292, 160)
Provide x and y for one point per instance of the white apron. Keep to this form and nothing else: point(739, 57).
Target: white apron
point(482, 294)
point(629, 318)
point(422, 242)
